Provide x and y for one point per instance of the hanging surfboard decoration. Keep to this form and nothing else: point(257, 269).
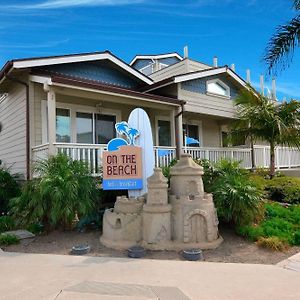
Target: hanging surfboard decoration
point(139, 119)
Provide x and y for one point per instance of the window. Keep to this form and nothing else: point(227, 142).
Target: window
point(217, 87)
point(104, 128)
point(63, 128)
point(164, 133)
point(191, 131)
point(84, 128)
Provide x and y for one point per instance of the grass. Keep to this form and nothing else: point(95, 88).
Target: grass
point(279, 228)
point(8, 239)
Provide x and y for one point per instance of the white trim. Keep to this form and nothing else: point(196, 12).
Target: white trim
point(159, 56)
point(207, 73)
point(40, 79)
point(20, 64)
point(222, 84)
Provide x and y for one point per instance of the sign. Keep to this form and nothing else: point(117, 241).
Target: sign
point(122, 162)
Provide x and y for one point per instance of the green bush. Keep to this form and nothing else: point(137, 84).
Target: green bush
point(281, 222)
point(236, 198)
point(6, 223)
point(8, 239)
point(63, 189)
point(9, 188)
point(284, 189)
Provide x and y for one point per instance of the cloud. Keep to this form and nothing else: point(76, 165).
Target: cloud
point(49, 44)
point(56, 4)
point(286, 88)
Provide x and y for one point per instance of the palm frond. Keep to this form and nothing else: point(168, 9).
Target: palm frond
point(280, 49)
point(296, 4)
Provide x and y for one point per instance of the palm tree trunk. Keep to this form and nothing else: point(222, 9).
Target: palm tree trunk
point(272, 160)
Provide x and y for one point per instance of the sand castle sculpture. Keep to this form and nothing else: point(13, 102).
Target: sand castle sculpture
point(182, 217)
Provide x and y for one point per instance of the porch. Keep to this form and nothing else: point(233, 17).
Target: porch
point(286, 158)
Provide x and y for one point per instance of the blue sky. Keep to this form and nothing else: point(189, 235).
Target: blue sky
point(234, 30)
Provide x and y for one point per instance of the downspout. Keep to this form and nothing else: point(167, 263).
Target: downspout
point(27, 123)
point(177, 137)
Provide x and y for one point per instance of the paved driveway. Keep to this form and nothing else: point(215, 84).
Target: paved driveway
point(43, 276)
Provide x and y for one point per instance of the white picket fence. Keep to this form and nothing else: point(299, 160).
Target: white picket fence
point(91, 153)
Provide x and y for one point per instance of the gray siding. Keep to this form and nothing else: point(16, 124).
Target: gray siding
point(13, 134)
point(176, 69)
point(183, 67)
point(208, 105)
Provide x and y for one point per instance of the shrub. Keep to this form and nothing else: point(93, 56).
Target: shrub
point(8, 239)
point(6, 223)
point(280, 222)
point(284, 189)
point(63, 189)
point(273, 243)
point(297, 237)
point(166, 170)
point(9, 188)
point(236, 198)
point(259, 181)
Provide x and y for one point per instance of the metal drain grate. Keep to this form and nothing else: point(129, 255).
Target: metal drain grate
point(133, 290)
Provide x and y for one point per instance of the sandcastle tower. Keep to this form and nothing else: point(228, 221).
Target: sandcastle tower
point(157, 213)
point(194, 218)
point(122, 224)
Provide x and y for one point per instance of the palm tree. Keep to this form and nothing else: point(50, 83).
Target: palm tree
point(132, 133)
point(260, 118)
point(282, 44)
point(122, 128)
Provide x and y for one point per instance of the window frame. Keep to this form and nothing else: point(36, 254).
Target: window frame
point(74, 108)
point(198, 123)
point(222, 84)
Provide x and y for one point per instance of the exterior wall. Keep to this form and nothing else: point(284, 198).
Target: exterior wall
point(183, 67)
point(208, 105)
point(211, 133)
point(176, 69)
point(193, 66)
point(13, 134)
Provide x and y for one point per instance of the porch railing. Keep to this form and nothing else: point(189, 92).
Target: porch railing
point(92, 154)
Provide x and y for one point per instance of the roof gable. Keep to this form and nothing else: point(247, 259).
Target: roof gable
point(100, 71)
point(74, 58)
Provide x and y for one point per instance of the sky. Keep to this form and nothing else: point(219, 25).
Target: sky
point(235, 31)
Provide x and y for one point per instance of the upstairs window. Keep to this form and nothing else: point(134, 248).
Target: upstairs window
point(218, 87)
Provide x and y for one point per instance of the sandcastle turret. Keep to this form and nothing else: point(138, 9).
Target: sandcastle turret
point(157, 212)
point(186, 177)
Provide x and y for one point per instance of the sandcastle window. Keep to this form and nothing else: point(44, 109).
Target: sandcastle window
point(118, 223)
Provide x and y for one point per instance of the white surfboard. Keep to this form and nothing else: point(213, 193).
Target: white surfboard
point(139, 120)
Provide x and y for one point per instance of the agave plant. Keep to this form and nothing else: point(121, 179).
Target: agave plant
point(63, 189)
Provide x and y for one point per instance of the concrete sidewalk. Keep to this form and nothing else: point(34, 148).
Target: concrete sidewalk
point(41, 276)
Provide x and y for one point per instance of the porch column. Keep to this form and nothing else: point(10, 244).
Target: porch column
point(172, 124)
point(178, 132)
point(51, 104)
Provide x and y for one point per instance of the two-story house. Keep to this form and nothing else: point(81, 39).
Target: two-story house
point(70, 104)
